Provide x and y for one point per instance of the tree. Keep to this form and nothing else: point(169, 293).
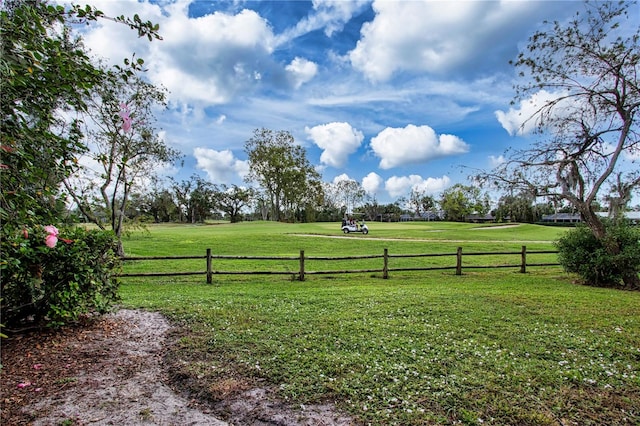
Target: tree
point(282, 169)
point(349, 194)
point(516, 208)
point(231, 200)
point(156, 201)
point(460, 201)
point(588, 129)
point(330, 210)
point(44, 72)
point(195, 198)
point(421, 202)
point(124, 145)
point(371, 208)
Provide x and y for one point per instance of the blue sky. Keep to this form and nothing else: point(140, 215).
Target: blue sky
point(394, 94)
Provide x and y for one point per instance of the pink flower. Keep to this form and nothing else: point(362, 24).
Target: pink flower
point(51, 239)
point(50, 229)
point(37, 366)
point(126, 119)
point(25, 233)
point(24, 385)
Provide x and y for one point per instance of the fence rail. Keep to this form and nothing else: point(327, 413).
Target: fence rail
point(302, 258)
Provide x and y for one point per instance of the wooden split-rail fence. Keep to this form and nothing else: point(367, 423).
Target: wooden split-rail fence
point(300, 274)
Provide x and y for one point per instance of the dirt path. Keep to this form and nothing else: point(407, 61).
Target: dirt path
point(112, 372)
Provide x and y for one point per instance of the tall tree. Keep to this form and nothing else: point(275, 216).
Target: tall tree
point(157, 201)
point(461, 200)
point(588, 69)
point(231, 200)
point(516, 208)
point(195, 198)
point(125, 147)
point(349, 193)
point(421, 202)
point(281, 168)
point(44, 70)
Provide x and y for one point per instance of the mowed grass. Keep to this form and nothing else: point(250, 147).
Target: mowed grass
point(488, 347)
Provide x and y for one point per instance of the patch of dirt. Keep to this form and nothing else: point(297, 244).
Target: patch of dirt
point(112, 371)
point(513, 225)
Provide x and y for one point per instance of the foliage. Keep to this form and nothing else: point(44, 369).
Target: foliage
point(461, 200)
point(42, 71)
point(421, 202)
point(125, 146)
point(231, 200)
point(348, 194)
point(152, 203)
point(521, 208)
point(54, 285)
point(46, 77)
point(582, 79)
point(581, 252)
point(195, 199)
point(284, 172)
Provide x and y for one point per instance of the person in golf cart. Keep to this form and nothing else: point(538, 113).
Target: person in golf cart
point(350, 222)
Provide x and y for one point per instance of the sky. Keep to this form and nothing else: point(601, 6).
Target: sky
point(397, 95)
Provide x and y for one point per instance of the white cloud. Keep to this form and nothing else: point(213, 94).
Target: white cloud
point(328, 14)
point(372, 183)
point(220, 166)
point(113, 41)
point(301, 71)
point(414, 144)
point(496, 161)
point(337, 140)
point(436, 37)
point(341, 178)
point(211, 58)
point(524, 120)
point(204, 60)
point(402, 185)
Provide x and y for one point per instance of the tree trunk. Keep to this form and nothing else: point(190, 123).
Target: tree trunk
point(120, 249)
point(593, 221)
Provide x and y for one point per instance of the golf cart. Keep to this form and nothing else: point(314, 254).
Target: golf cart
point(352, 225)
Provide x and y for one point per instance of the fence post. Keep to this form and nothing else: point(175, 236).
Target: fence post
point(459, 261)
point(523, 262)
point(209, 273)
point(385, 266)
point(301, 276)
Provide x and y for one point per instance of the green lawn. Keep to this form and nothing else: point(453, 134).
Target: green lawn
point(490, 347)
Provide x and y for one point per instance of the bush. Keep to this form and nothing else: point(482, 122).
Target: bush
point(44, 285)
point(581, 252)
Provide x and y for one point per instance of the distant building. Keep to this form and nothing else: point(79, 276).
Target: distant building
point(633, 217)
point(561, 218)
point(479, 218)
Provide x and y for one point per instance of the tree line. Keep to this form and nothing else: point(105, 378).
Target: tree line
point(197, 200)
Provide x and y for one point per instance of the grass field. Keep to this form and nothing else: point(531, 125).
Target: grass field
point(489, 347)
